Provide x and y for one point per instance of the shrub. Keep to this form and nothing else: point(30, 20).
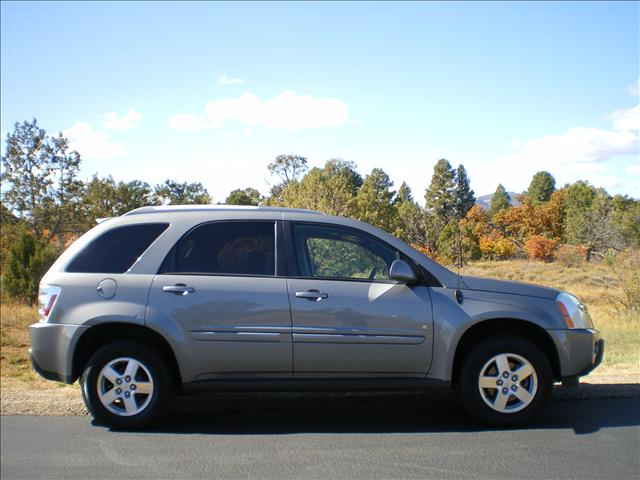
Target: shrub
point(497, 248)
point(626, 267)
point(28, 259)
point(571, 255)
point(538, 247)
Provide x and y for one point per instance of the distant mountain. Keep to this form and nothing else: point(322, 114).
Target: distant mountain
point(485, 200)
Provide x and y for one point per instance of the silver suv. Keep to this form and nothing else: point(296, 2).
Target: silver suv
point(166, 300)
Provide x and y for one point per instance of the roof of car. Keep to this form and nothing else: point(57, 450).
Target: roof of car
point(216, 208)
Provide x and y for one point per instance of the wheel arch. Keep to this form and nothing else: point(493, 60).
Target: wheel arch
point(505, 326)
point(104, 333)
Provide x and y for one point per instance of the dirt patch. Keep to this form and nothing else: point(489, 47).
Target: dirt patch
point(48, 398)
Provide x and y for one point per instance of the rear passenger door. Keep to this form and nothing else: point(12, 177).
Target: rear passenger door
point(220, 290)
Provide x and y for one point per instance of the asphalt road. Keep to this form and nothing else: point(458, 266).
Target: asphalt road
point(333, 437)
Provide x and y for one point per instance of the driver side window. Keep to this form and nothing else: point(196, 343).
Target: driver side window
point(340, 253)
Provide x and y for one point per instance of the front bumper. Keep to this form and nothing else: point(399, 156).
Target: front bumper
point(580, 351)
point(52, 348)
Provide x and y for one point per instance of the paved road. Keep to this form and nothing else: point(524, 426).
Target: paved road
point(333, 437)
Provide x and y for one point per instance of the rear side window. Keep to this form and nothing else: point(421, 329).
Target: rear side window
point(224, 248)
point(116, 250)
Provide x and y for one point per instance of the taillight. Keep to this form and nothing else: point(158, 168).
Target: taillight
point(46, 300)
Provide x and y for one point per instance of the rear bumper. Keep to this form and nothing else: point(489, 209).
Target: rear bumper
point(580, 351)
point(52, 348)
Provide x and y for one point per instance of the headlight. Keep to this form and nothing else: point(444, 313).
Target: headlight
point(574, 313)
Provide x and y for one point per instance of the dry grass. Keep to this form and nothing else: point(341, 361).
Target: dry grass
point(597, 286)
point(24, 392)
point(14, 339)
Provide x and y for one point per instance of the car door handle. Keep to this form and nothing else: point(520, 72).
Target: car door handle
point(314, 295)
point(178, 289)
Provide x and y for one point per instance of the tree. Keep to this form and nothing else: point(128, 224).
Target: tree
point(409, 217)
point(103, 198)
point(464, 198)
point(28, 259)
point(590, 220)
point(289, 168)
point(579, 197)
point(626, 219)
point(404, 194)
point(331, 190)
point(173, 193)
point(440, 197)
point(247, 196)
point(374, 200)
point(40, 173)
point(458, 243)
point(541, 187)
point(499, 201)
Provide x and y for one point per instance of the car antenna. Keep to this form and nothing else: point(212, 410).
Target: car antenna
point(459, 259)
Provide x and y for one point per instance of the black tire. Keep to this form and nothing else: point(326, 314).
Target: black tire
point(158, 372)
point(473, 398)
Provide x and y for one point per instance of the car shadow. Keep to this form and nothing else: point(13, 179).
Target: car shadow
point(585, 410)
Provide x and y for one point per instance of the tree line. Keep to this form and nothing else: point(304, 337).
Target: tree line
point(46, 205)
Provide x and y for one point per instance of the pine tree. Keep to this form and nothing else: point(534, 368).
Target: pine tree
point(499, 201)
point(464, 195)
point(404, 194)
point(373, 201)
point(440, 197)
point(541, 187)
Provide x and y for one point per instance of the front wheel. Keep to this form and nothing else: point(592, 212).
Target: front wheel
point(125, 385)
point(505, 380)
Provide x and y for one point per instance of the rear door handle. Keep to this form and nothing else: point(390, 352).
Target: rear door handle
point(315, 295)
point(178, 289)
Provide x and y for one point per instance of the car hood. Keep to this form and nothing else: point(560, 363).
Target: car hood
point(513, 288)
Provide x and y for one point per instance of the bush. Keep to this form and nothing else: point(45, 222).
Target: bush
point(27, 261)
point(571, 255)
point(626, 267)
point(538, 247)
point(497, 248)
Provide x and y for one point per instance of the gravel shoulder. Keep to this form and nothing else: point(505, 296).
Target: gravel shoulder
point(18, 397)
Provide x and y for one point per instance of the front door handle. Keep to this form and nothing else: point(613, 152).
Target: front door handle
point(315, 295)
point(178, 289)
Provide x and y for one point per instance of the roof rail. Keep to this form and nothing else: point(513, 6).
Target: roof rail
point(218, 208)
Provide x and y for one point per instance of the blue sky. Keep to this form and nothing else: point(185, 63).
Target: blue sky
point(212, 92)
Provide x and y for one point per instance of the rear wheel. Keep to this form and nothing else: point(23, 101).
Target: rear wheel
point(125, 384)
point(505, 380)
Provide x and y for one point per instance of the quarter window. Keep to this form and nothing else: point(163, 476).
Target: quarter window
point(225, 248)
point(334, 252)
point(116, 250)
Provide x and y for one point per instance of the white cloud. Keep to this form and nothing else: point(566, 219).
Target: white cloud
point(287, 111)
point(634, 90)
point(580, 144)
point(225, 80)
point(633, 169)
point(627, 119)
point(188, 122)
point(578, 153)
point(92, 143)
point(113, 121)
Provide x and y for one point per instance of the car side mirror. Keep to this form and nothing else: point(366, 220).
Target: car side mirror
point(402, 272)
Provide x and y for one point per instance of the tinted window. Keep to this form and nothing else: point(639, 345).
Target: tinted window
point(237, 248)
point(333, 252)
point(116, 250)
